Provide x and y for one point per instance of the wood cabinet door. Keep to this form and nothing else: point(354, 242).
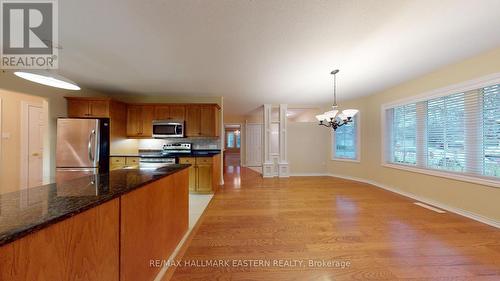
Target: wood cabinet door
point(177, 112)
point(99, 108)
point(208, 121)
point(162, 112)
point(148, 112)
point(204, 178)
point(78, 108)
point(134, 120)
point(193, 121)
point(192, 171)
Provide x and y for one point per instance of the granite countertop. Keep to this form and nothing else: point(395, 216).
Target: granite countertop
point(197, 153)
point(26, 211)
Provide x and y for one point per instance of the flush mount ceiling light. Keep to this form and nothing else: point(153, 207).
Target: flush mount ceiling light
point(49, 79)
point(332, 118)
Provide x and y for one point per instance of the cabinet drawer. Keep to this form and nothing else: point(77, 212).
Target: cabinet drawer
point(187, 160)
point(132, 161)
point(204, 160)
point(117, 161)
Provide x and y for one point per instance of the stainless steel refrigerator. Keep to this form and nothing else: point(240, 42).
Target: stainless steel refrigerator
point(82, 147)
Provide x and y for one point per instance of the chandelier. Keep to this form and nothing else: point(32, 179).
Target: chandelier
point(333, 119)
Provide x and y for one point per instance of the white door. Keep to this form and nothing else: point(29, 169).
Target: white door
point(35, 146)
point(254, 144)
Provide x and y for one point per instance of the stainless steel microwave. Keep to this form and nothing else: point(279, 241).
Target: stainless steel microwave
point(168, 129)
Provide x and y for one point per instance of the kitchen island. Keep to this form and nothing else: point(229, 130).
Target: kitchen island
point(103, 227)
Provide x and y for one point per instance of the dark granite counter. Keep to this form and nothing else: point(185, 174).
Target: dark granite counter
point(26, 211)
point(197, 153)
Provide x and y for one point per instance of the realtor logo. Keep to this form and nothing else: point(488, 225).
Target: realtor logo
point(28, 34)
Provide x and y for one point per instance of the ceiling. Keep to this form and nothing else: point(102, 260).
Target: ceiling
point(267, 51)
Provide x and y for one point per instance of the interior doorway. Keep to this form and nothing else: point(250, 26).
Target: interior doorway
point(232, 145)
point(32, 144)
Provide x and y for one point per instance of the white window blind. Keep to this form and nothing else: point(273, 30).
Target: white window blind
point(346, 141)
point(446, 133)
point(491, 131)
point(403, 134)
point(457, 133)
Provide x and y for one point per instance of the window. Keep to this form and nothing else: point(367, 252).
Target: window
point(491, 131)
point(446, 133)
point(404, 134)
point(230, 139)
point(457, 133)
point(345, 141)
point(233, 139)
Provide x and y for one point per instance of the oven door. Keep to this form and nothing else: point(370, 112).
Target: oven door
point(168, 130)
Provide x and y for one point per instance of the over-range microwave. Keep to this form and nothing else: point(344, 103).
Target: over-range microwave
point(168, 129)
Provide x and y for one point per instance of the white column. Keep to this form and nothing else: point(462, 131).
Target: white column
point(267, 166)
point(283, 170)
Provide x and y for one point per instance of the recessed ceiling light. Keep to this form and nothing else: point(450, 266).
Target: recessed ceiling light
point(49, 79)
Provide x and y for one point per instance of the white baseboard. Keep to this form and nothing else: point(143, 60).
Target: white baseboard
point(309, 175)
point(440, 205)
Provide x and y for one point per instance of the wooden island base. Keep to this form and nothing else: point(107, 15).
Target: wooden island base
point(113, 241)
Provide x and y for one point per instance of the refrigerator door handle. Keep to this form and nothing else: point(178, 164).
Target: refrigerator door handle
point(92, 134)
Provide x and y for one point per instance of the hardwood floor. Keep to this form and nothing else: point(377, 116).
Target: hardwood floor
point(383, 236)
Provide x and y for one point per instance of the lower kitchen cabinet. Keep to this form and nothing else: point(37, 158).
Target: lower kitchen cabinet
point(121, 162)
point(204, 173)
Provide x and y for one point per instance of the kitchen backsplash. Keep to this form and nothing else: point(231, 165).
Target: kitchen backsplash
point(198, 143)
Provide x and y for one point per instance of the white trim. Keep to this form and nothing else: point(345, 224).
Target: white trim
point(346, 160)
point(429, 207)
point(463, 87)
point(466, 86)
point(462, 212)
point(358, 144)
point(445, 174)
point(309, 175)
point(241, 138)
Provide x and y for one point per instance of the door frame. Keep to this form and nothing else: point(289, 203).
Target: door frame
point(242, 134)
point(24, 136)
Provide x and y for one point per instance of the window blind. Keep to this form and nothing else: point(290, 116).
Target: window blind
point(404, 134)
point(491, 131)
point(346, 141)
point(458, 133)
point(446, 133)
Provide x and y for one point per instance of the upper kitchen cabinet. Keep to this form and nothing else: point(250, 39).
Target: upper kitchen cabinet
point(209, 120)
point(170, 112)
point(202, 120)
point(140, 120)
point(88, 107)
point(193, 116)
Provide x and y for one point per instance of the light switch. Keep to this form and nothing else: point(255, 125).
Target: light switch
point(5, 136)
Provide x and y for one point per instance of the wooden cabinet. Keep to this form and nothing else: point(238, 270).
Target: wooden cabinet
point(204, 178)
point(122, 162)
point(83, 247)
point(154, 219)
point(204, 173)
point(170, 112)
point(209, 121)
point(88, 107)
point(140, 121)
point(193, 126)
point(202, 120)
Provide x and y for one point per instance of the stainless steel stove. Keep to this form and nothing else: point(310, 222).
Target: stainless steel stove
point(155, 159)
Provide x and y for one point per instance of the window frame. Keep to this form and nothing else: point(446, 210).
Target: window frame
point(358, 144)
point(466, 86)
